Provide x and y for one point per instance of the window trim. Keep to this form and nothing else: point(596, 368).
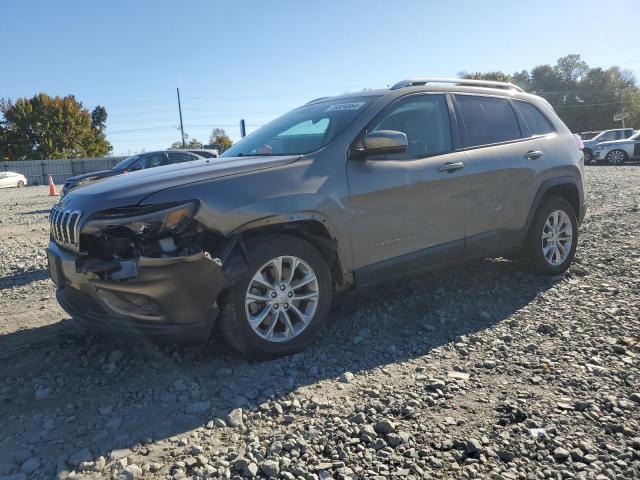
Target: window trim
point(455, 141)
point(539, 135)
point(463, 129)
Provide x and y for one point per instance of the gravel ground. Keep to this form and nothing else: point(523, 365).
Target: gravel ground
point(478, 371)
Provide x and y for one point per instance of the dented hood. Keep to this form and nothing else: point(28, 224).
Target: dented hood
point(131, 188)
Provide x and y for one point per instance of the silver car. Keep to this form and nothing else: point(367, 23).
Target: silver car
point(618, 151)
point(606, 136)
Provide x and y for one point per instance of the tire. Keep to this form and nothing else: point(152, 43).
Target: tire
point(616, 157)
point(588, 155)
point(265, 340)
point(539, 251)
point(20, 184)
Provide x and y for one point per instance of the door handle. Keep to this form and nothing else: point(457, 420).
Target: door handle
point(451, 167)
point(533, 154)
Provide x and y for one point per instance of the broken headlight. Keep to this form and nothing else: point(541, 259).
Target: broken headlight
point(143, 221)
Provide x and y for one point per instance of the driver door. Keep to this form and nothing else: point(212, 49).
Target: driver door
point(404, 215)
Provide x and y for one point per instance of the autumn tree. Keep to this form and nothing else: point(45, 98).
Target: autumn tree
point(44, 127)
point(220, 140)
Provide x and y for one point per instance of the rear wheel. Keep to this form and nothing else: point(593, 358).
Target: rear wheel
point(281, 304)
point(20, 184)
point(616, 157)
point(552, 239)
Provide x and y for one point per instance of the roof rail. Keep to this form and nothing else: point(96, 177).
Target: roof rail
point(412, 82)
point(316, 100)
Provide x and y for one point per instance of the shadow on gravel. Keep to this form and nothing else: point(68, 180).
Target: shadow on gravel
point(104, 394)
point(23, 278)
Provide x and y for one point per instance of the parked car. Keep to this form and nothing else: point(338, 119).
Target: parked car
point(205, 152)
point(618, 151)
point(343, 192)
point(606, 136)
point(12, 179)
point(138, 162)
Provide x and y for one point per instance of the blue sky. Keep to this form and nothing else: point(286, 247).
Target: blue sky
point(256, 59)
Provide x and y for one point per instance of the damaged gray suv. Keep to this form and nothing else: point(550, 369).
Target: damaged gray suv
point(342, 192)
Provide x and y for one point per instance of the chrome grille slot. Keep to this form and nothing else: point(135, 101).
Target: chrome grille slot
point(64, 226)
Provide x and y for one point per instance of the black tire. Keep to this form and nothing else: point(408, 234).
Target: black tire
point(235, 326)
point(613, 157)
point(533, 255)
point(588, 155)
point(20, 184)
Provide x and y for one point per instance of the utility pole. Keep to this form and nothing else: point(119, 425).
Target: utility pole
point(181, 127)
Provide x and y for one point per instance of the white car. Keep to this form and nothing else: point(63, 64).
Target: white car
point(12, 179)
point(618, 151)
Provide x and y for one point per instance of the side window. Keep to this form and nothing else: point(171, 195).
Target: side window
point(535, 120)
point(618, 135)
point(607, 137)
point(487, 120)
point(4, 175)
point(178, 157)
point(424, 119)
point(155, 160)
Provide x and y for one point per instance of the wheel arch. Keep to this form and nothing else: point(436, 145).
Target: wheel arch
point(309, 226)
point(566, 187)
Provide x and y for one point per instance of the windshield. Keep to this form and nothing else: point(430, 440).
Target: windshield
point(303, 130)
point(635, 136)
point(127, 162)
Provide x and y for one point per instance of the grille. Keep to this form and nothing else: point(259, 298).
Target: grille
point(80, 301)
point(64, 226)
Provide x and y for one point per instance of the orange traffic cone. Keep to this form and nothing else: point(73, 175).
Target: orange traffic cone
point(52, 187)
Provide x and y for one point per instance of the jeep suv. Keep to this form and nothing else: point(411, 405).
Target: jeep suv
point(342, 192)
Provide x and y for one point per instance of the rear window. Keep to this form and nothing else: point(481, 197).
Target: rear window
point(487, 120)
point(533, 118)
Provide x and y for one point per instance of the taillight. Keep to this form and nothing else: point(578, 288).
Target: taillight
point(578, 141)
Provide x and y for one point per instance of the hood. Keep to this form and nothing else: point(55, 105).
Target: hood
point(99, 174)
point(132, 188)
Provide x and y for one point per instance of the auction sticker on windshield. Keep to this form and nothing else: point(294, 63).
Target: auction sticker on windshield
point(341, 107)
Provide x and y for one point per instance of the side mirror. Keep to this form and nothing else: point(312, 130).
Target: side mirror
point(135, 167)
point(379, 142)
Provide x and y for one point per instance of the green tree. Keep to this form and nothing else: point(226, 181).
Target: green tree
point(585, 98)
point(220, 140)
point(189, 143)
point(44, 127)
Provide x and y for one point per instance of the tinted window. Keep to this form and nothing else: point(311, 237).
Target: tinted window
point(487, 120)
point(154, 160)
point(535, 120)
point(607, 136)
point(424, 119)
point(178, 157)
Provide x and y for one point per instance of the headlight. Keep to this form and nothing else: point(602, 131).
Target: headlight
point(151, 220)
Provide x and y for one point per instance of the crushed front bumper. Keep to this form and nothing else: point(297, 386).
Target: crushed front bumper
point(172, 299)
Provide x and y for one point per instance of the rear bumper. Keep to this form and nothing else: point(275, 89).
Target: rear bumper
point(168, 299)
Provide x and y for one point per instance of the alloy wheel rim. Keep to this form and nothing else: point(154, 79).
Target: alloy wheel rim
point(616, 157)
point(557, 237)
point(281, 299)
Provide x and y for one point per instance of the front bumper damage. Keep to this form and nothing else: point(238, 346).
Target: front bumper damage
point(166, 298)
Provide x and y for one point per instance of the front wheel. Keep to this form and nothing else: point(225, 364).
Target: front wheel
point(552, 238)
point(20, 184)
point(281, 304)
point(616, 157)
point(588, 155)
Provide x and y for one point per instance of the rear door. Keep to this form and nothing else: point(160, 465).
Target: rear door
point(502, 168)
point(405, 213)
